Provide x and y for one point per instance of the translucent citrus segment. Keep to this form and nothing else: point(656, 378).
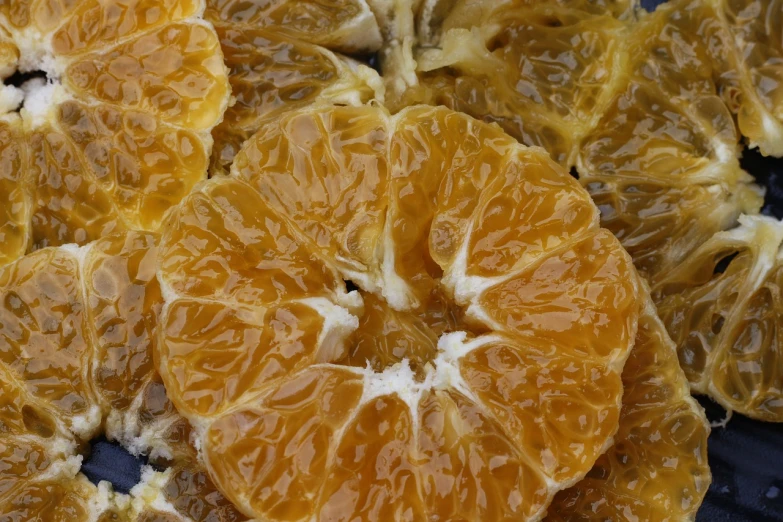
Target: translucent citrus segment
point(271, 73)
point(14, 214)
point(225, 243)
point(76, 361)
point(343, 25)
point(281, 56)
point(95, 25)
point(174, 73)
point(286, 338)
point(128, 153)
point(455, 433)
point(123, 299)
point(373, 472)
point(281, 481)
point(657, 468)
point(722, 310)
point(525, 386)
point(562, 56)
point(757, 85)
point(593, 318)
point(118, 131)
point(327, 172)
point(443, 161)
point(310, 400)
point(44, 343)
point(68, 206)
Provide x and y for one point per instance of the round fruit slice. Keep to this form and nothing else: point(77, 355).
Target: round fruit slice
point(657, 468)
point(76, 338)
point(474, 373)
point(722, 307)
point(286, 54)
point(117, 132)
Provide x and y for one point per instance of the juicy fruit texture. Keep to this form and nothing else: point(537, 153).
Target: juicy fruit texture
point(644, 110)
point(287, 54)
point(634, 106)
point(475, 373)
point(722, 308)
point(657, 468)
point(120, 132)
point(76, 349)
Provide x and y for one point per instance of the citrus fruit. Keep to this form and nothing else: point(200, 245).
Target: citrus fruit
point(722, 307)
point(76, 360)
point(633, 106)
point(657, 468)
point(287, 54)
point(475, 372)
point(118, 132)
point(644, 110)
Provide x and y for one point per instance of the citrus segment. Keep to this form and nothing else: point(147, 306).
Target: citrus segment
point(94, 24)
point(76, 360)
point(756, 85)
point(657, 468)
point(285, 338)
point(470, 469)
point(292, 428)
point(372, 474)
point(127, 151)
point(44, 343)
point(281, 56)
point(14, 214)
point(68, 206)
point(173, 73)
point(525, 386)
point(721, 308)
point(322, 415)
point(117, 132)
point(224, 243)
point(590, 318)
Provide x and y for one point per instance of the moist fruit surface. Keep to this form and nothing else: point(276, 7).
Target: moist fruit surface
point(118, 132)
point(76, 360)
point(475, 373)
point(648, 110)
point(287, 54)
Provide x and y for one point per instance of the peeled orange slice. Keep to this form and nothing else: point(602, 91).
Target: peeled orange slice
point(476, 371)
point(634, 106)
point(287, 54)
point(118, 132)
point(722, 307)
point(76, 347)
point(657, 468)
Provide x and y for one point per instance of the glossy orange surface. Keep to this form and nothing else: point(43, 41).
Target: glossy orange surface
point(369, 404)
point(121, 135)
point(77, 345)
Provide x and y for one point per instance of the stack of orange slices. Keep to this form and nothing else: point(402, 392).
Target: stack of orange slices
point(366, 315)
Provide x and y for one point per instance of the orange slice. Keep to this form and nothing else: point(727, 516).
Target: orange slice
point(657, 468)
point(722, 307)
point(287, 54)
point(76, 338)
point(119, 131)
point(484, 279)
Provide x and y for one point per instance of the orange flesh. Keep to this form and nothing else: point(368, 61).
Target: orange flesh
point(343, 405)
